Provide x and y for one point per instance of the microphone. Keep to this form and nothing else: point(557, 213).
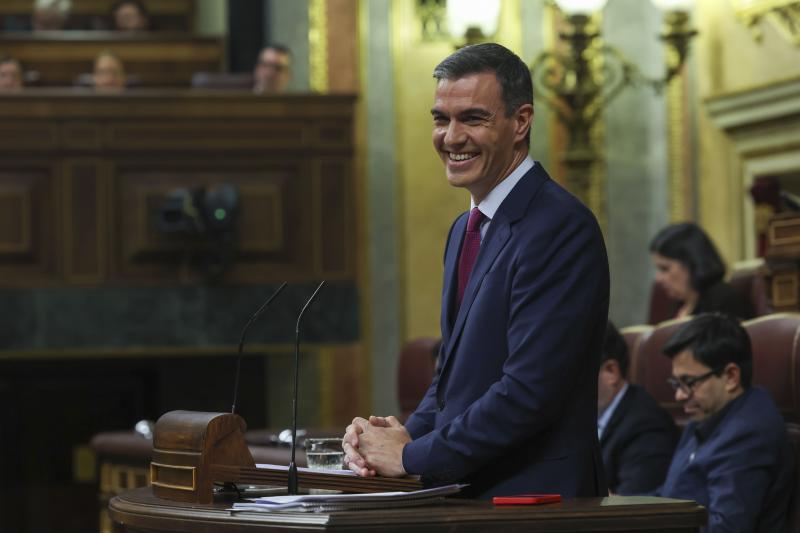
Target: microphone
point(292, 484)
point(241, 341)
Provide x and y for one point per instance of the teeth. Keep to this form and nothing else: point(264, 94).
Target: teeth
point(461, 157)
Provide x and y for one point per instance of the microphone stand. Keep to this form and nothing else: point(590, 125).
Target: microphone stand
point(241, 341)
point(292, 482)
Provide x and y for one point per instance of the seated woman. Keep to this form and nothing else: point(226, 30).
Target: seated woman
point(690, 270)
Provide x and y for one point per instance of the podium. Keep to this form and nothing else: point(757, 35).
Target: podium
point(193, 450)
point(139, 510)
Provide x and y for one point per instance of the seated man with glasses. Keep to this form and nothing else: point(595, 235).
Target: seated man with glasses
point(734, 457)
point(272, 72)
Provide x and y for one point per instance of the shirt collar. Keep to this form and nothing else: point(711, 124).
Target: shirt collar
point(704, 429)
point(491, 203)
point(603, 419)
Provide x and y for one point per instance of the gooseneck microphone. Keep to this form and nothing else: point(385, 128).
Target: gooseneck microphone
point(241, 341)
point(292, 484)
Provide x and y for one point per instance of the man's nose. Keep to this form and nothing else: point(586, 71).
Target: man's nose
point(680, 395)
point(454, 134)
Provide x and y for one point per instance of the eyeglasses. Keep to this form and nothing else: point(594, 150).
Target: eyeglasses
point(278, 67)
point(688, 383)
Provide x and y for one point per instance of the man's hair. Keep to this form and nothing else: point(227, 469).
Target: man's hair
point(615, 347)
point(61, 6)
point(278, 47)
point(687, 243)
point(137, 3)
point(10, 59)
point(715, 340)
point(510, 71)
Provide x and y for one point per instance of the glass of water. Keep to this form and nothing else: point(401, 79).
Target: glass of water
point(324, 454)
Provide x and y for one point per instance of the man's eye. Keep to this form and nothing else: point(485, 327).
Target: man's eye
point(440, 121)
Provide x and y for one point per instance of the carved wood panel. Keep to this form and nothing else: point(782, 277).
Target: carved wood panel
point(86, 211)
point(28, 218)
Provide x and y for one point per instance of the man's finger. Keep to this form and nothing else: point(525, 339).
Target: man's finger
point(378, 421)
point(393, 422)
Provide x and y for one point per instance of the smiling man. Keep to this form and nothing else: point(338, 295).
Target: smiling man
point(513, 406)
point(734, 456)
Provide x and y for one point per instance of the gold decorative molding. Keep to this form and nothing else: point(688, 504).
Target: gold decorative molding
point(783, 14)
point(318, 45)
point(680, 175)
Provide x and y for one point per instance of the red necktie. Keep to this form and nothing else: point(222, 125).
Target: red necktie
point(469, 250)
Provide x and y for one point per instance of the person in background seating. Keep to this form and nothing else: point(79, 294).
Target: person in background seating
point(690, 270)
point(108, 73)
point(49, 15)
point(10, 74)
point(734, 457)
point(637, 437)
point(130, 15)
point(272, 72)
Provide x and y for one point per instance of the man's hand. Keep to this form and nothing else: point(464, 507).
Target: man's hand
point(352, 458)
point(381, 443)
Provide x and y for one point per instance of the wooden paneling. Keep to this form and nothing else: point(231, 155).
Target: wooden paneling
point(85, 221)
point(105, 165)
point(153, 59)
point(28, 218)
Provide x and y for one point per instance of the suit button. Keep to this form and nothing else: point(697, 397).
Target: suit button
point(441, 405)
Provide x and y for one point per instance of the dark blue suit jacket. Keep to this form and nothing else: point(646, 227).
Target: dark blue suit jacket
point(513, 406)
point(637, 444)
point(742, 471)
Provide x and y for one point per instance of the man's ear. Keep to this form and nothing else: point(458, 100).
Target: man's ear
point(524, 121)
point(612, 367)
point(733, 377)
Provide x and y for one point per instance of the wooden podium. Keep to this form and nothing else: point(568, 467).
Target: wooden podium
point(193, 450)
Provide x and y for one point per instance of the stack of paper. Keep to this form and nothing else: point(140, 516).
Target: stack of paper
point(344, 502)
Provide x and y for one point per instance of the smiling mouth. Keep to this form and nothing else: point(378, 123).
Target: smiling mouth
point(461, 157)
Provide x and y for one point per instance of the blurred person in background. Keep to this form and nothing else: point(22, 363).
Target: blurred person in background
point(10, 74)
point(49, 15)
point(272, 72)
point(130, 15)
point(108, 73)
point(690, 271)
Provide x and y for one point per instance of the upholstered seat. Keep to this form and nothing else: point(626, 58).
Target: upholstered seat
point(415, 370)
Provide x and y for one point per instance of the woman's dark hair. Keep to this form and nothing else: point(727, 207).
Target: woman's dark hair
point(687, 243)
point(715, 340)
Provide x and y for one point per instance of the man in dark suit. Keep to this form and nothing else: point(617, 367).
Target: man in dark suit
point(637, 437)
point(734, 457)
point(512, 407)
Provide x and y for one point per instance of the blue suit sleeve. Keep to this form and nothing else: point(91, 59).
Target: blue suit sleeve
point(557, 296)
point(738, 482)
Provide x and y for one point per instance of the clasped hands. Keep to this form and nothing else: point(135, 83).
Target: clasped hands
point(375, 446)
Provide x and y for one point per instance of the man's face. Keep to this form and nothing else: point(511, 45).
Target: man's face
point(709, 395)
point(108, 74)
point(609, 382)
point(472, 134)
point(129, 18)
point(10, 76)
point(673, 276)
point(272, 72)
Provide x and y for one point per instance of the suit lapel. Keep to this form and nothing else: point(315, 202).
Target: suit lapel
point(500, 231)
point(616, 416)
point(451, 275)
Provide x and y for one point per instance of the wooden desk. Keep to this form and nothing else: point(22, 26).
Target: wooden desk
point(157, 59)
point(139, 510)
